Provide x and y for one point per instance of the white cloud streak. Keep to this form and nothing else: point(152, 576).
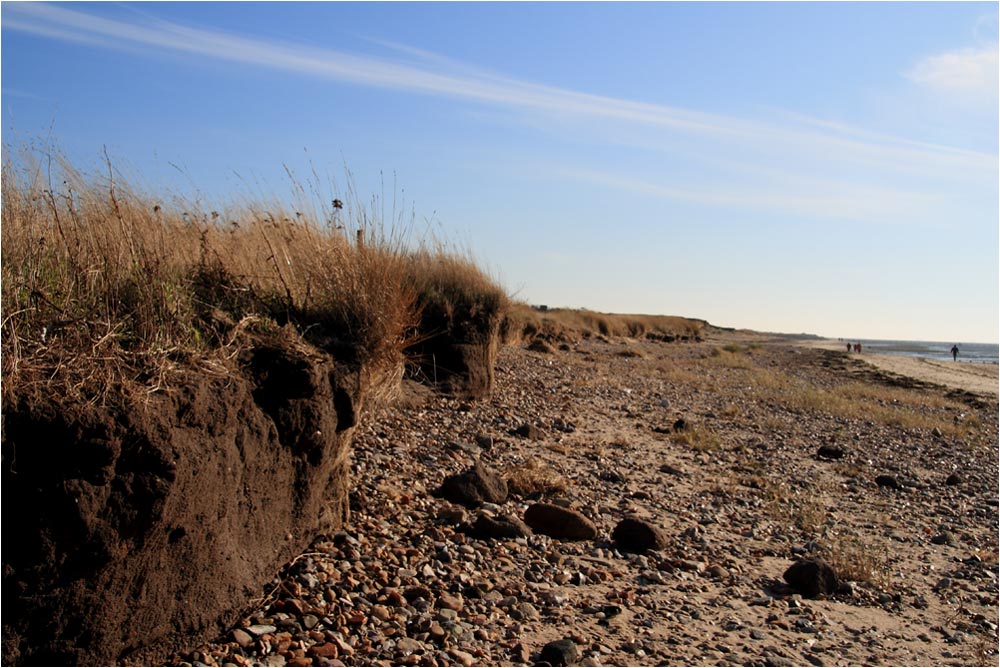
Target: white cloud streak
point(800, 197)
point(973, 71)
point(432, 75)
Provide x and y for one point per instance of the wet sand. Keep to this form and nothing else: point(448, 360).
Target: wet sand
point(977, 377)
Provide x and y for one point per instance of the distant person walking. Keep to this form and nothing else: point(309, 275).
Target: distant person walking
point(954, 352)
point(849, 346)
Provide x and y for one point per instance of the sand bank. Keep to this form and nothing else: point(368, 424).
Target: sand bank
point(969, 376)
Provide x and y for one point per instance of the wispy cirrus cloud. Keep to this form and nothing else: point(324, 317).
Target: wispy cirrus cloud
point(429, 74)
point(800, 197)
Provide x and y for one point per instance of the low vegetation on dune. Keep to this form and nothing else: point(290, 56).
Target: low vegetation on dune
point(527, 323)
point(106, 287)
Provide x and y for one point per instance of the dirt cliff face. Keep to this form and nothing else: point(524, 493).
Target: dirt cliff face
point(129, 532)
point(458, 351)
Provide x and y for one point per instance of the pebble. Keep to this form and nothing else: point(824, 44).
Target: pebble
point(261, 629)
point(408, 645)
point(242, 638)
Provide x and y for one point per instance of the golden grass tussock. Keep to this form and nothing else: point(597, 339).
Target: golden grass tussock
point(533, 477)
point(106, 287)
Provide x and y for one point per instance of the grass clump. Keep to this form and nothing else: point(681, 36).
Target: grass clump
point(698, 438)
point(858, 561)
point(533, 477)
point(105, 287)
point(453, 295)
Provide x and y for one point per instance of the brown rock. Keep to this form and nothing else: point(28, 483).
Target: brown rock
point(326, 650)
point(475, 486)
point(498, 527)
point(449, 602)
point(242, 638)
point(559, 522)
point(830, 452)
point(530, 432)
point(561, 653)
point(718, 572)
point(633, 534)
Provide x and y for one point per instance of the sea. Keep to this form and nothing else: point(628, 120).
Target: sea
point(938, 350)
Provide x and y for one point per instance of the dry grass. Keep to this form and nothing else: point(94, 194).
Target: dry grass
point(983, 651)
point(104, 287)
point(524, 323)
point(533, 477)
point(452, 292)
point(892, 406)
point(698, 438)
point(859, 561)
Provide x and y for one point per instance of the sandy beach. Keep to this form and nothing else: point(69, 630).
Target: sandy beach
point(742, 455)
point(969, 376)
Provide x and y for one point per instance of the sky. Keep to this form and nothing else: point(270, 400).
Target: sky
point(829, 168)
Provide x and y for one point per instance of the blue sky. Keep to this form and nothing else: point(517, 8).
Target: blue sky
point(821, 167)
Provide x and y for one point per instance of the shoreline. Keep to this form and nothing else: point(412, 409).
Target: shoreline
point(978, 377)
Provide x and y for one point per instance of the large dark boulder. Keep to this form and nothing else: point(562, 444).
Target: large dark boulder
point(812, 577)
point(633, 534)
point(136, 530)
point(563, 652)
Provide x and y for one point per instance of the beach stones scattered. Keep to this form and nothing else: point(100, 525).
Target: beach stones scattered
point(559, 522)
point(633, 534)
point(475, 486)
point(416, 580)
point(812, 577)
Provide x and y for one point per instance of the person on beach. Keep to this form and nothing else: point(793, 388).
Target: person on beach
point(848, 346)
point(954, 352)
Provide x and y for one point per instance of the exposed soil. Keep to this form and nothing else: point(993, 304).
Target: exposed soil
point(717, 446)
point(131, 531)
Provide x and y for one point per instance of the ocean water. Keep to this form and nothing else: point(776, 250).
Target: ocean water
point(938, 350)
